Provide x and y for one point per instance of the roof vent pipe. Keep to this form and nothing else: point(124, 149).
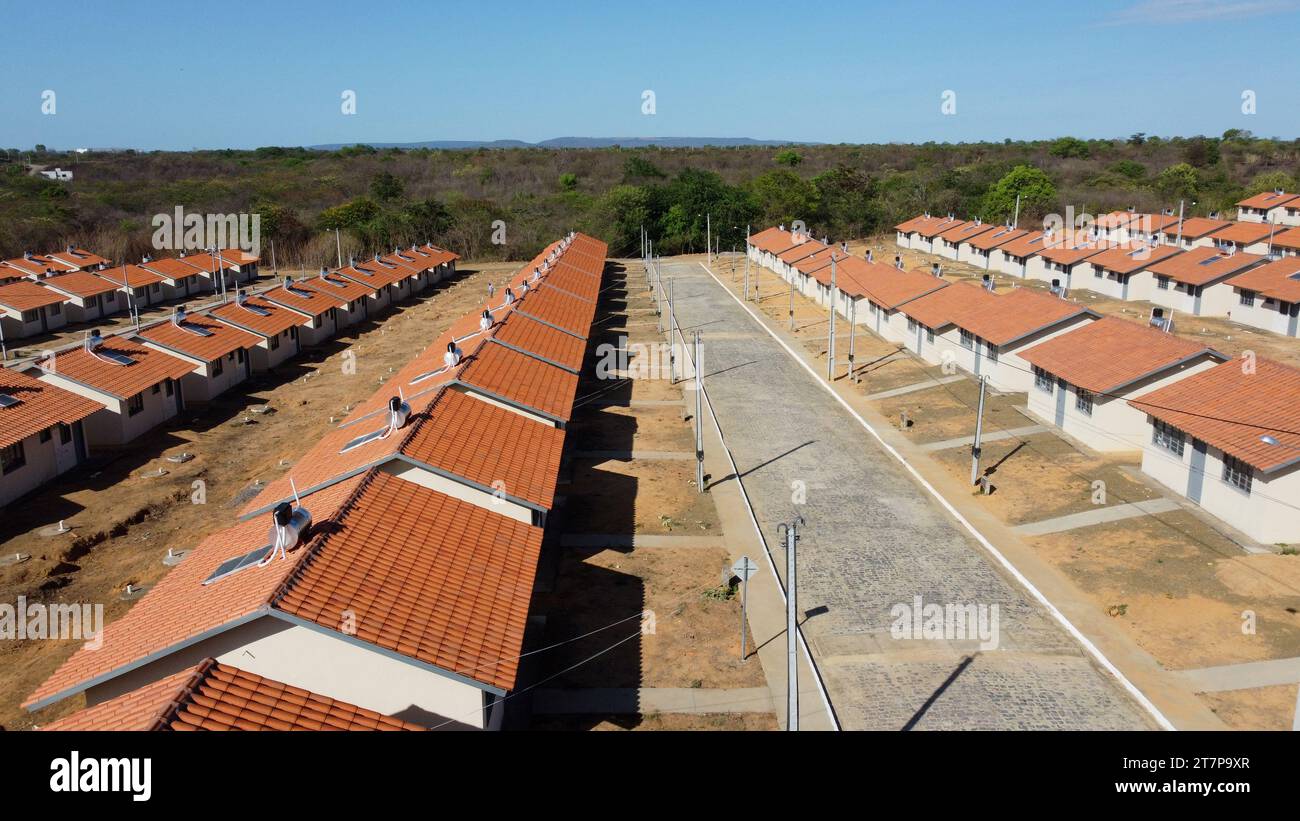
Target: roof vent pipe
point(290, 524)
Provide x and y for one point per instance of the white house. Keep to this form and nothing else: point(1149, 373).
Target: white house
point(137, 387)
point(28, 309)
point(1195, 232)
point(219, 354)
point(980, 250)
point(951, 242)
point(41, 434)
point(1193, 282)
point(320, 307)
point(1268, 297)
point(1287, 243)
point(1251, 237)
point(1061, 255)
point(354, 296)
point(1225, 439)
point(1270, 206)
point(276, 325)
point(1013, 257)
point(1122, 272)
point(1082, 380)
point(89, 297)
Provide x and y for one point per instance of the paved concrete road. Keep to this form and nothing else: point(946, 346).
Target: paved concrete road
point(874, 539)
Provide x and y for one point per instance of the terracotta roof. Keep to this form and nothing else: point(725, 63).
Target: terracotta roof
point(916, 223)
point(1153, 223)
point(375, 275)
point(452, 433)
point(132, 275)
point(1287, 239)
point(770, 238)
point(80, 283)
point(1026, 245)
point(1197, 227)
point(180, 608)
point(213, 696)
point(1268, 200)
point(967, 231)
point(1110, 354)
point(524, 333)
point(37, 264)
point(206, 262)
point(889, 287)
point(174, 268)
point(942, 307)
point(1201, 266)
point(572, 280)
point(1016, 314)
point(800, 250)
point(40, 406)
point(1280, 279)
point(989, 240)
point(422, 574)
point(1245, 233)
point(937, 225)
point(505, 374)
point(337, 286)
point(221, 339)
point(276, 321)
point(79, 258)
point(1127, 259)
point(310, 301)
point(1231, 409)
point(1070, 250)
point(148, 367)
point(556, 308)
point(23, 295)
point(1117, 219)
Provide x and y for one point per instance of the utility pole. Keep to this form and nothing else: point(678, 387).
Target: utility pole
point(338, 243)
point(699, 419)
point(708, 237)
point(672, 335)
point(830, 347)
point(275, 269)
point(791, 532)
point(1015, 223)
point(1179, 243)
point(979, 431)
point(853, 327)
point(792, 303)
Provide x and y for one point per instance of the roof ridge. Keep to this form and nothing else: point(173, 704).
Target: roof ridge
point(184, 696)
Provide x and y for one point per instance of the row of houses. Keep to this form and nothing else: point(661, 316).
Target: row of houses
point(142, 379)
point(1112, 384)
point(41, 293)
point(1245, 270)
point(385, 581)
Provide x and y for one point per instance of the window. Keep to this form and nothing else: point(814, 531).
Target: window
point(1237, 473)
point(1247, 298)
point(1098, 272)
point(135, 404)
point(155, 288)
point(218, 366)
point(170, 388)
point(12, 458)
point(991, 351)
point(967, 339)
point(929, 335)
point(911, 324)
point(46, 436)
point(1162, 283)
point(274, 342)
point(65, 434)
point(241, 355)
point(1083, 400)
point(111, 296)
point(30, 316)
point(56, 309)
point(1168, 437)
point(1042, 380)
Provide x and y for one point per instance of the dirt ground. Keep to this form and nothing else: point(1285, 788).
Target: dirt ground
point(1177, 582)
point(695, 639)
point(124, 523)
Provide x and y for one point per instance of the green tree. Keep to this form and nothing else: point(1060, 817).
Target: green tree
point(639, 168)
point(788, 157)
point(1036, 191)
point(1070, 147)
point(386, 187)
point(1178, 181)
point(618, 216)
point(782, 196)
point(1132, 169)
point(568, 181)
point(1201, 152)
point(1271, 181)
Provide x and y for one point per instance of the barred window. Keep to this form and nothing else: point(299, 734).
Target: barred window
point(1247, 298)
point(1042, 380)
point(929, 335)
point(1237, 473)
point(1162, 283)
point(991, 351)
point(967, 339)
point(911, 324)
point(1167, 436)
point(1083, 400)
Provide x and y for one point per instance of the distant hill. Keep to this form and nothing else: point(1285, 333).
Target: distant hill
point(577, 142)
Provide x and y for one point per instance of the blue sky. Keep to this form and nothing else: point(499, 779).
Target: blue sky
point(181, 75)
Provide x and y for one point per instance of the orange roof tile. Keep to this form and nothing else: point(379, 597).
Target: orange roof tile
point(937, 225)
point(967, 231)
point(79, 258)
point(1289, 239)
point(213, 696)
point(523, 333)
point(520, 379)
point(1268, 200)
point(1110, 354)
point(800, 249)
point(297, 297)
point(571, 280)
point(1201, 266)
point(770, 239)
point(1279, 279)
point(23, 295)
point(1026, 245)
point(132, 275)
point(79, 283)
point(1231, 409)
point(942, 307)
point(39, 406)
point(989, 240)
point(1072, 249)
point(174, 268)
point(1129, 258)
point(1013, 315)
point(337, 286)
point(272, 321)
point(148, 367)
point(221, 339)
point(1197, 227)
point(558, 309)
point(889, 287)
point(37, 264)
point(1244, 233)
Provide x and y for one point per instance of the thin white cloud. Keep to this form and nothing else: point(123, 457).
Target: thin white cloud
point(1190, 11)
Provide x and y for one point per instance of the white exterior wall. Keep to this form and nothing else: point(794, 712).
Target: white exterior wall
point(45, 461)
point(1266, 314)
point(1266, 514)
point(1216, 298)
point(112, 426)
point(264, 358)
point(310, 336)
point(323, 663)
